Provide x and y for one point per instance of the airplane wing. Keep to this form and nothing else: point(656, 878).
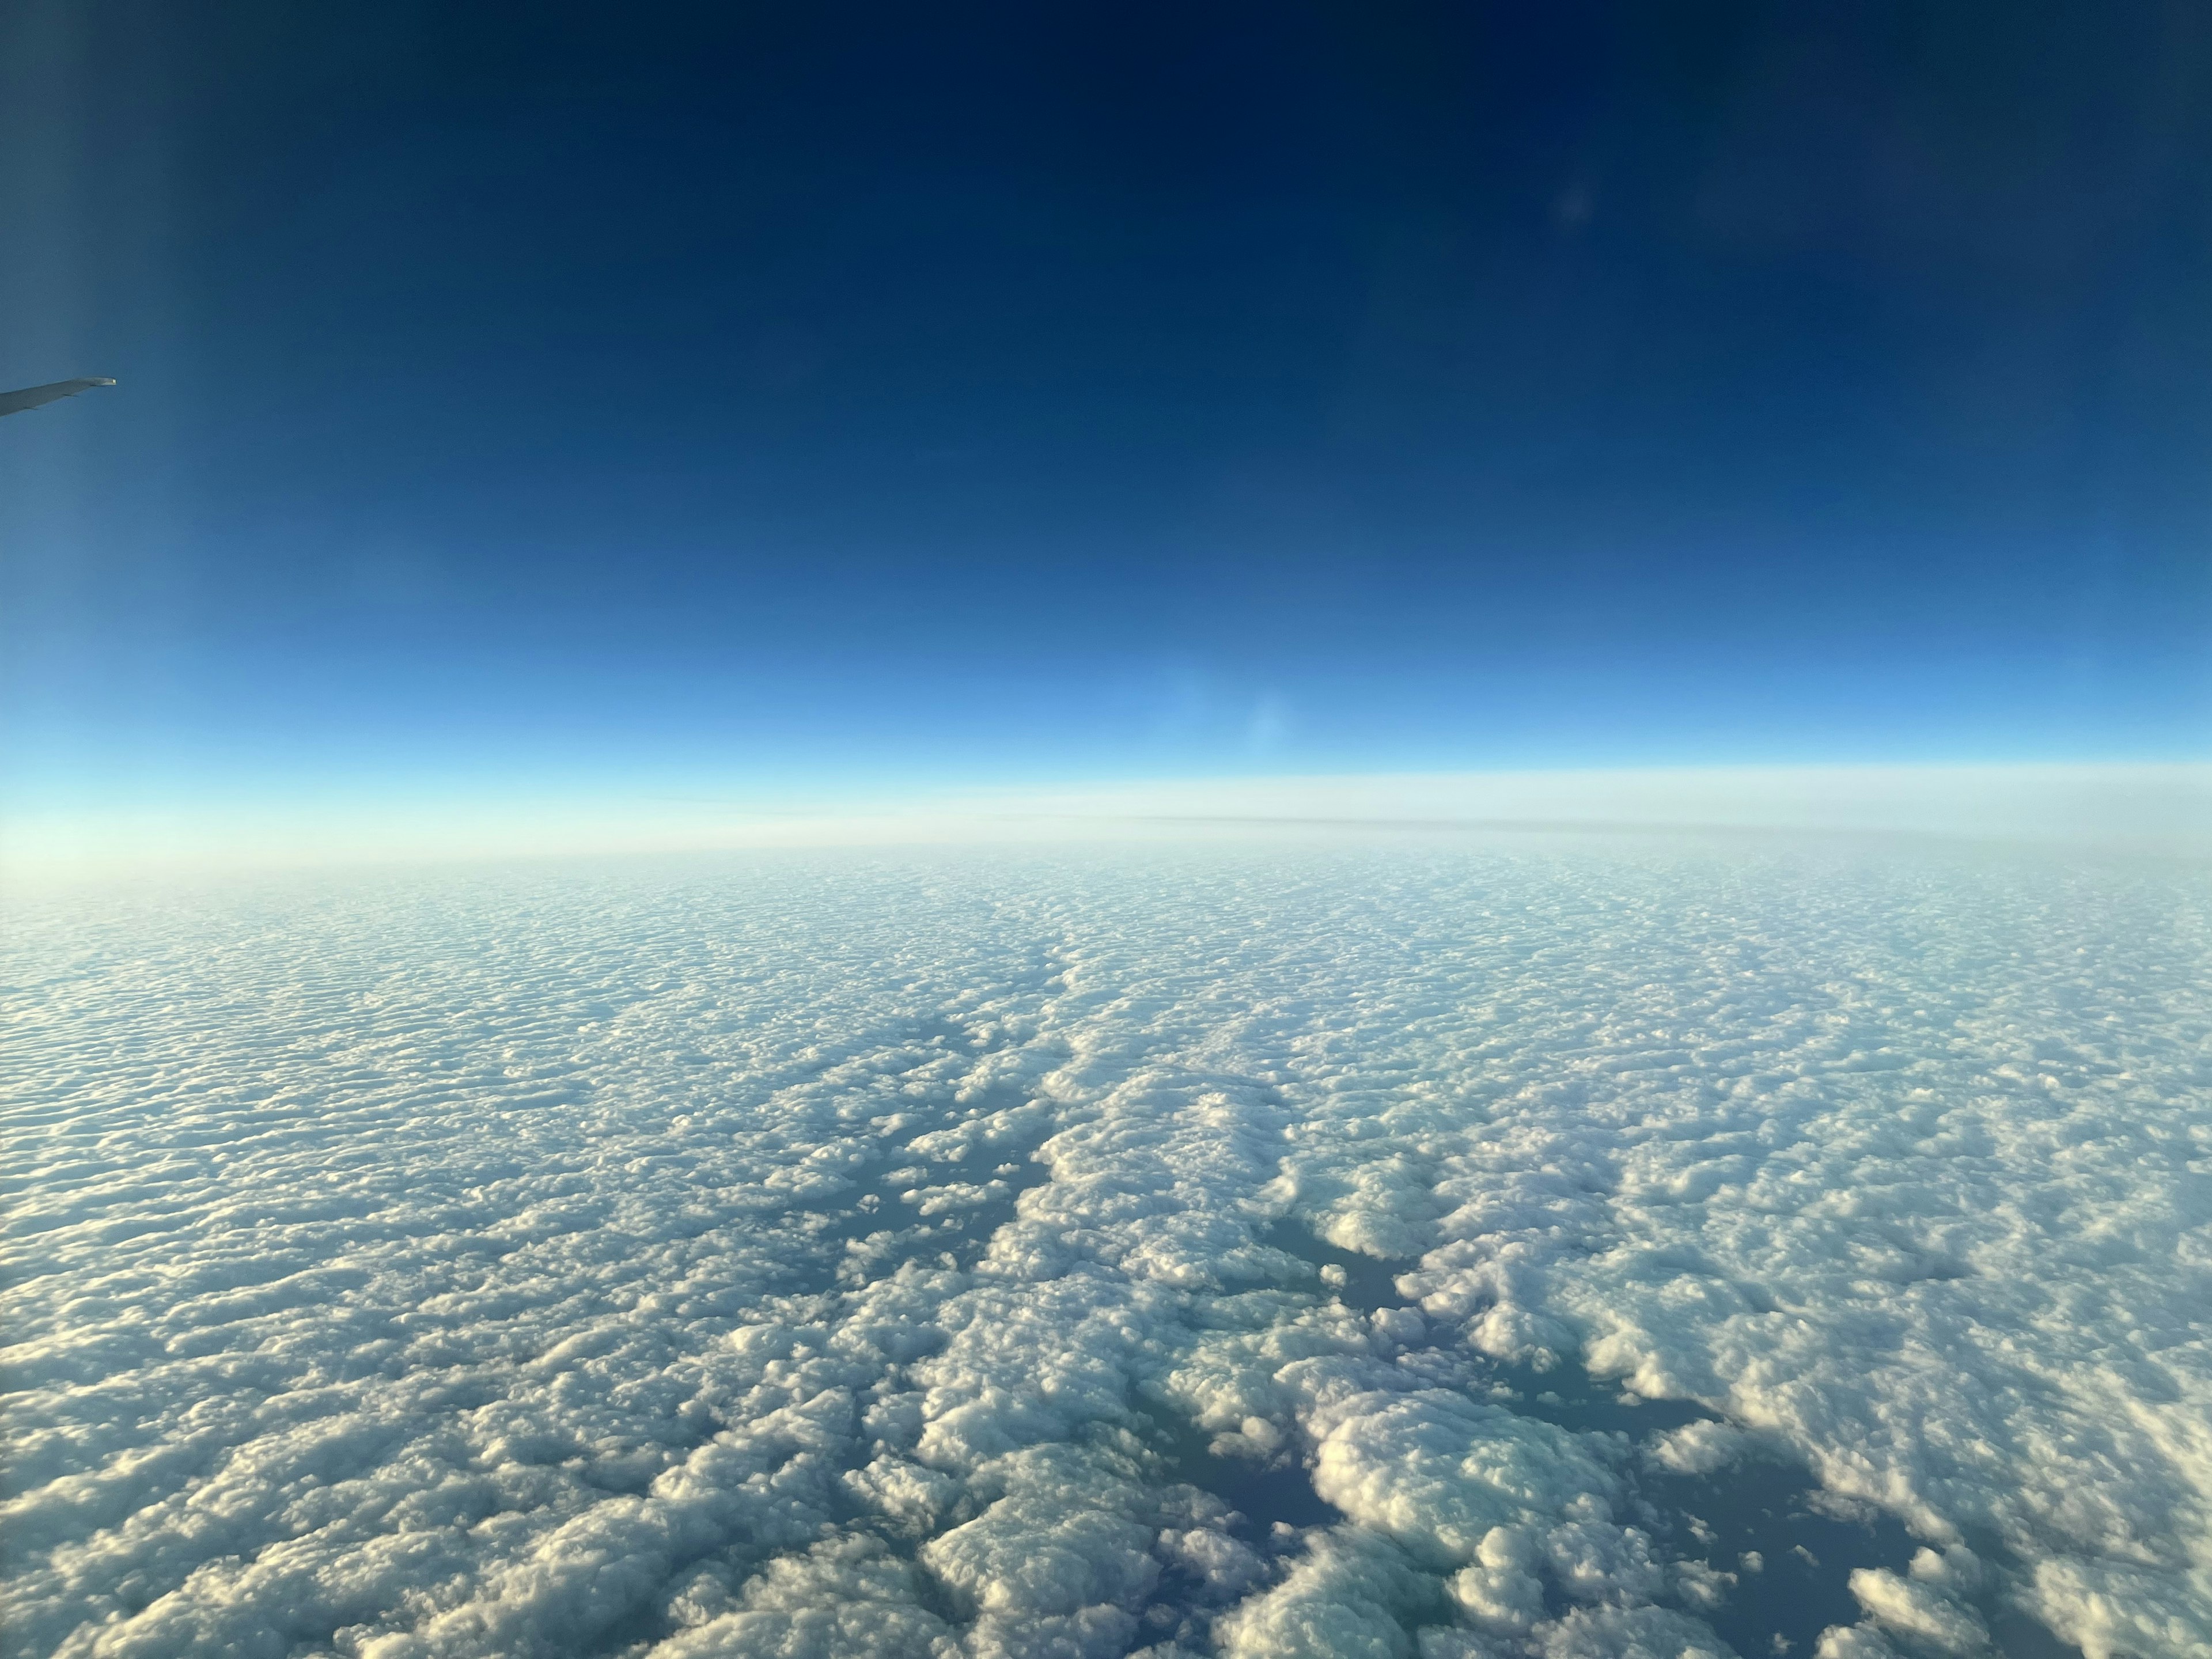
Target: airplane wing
point(15, 403)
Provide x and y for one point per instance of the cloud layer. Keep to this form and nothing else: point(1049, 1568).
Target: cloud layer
point(1334, 1251)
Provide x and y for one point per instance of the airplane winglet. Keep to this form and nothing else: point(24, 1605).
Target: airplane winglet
point(15, 403)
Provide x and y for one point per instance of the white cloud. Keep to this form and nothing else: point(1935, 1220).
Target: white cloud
point(1699, 1448)
point(442, 1265)
point(1914, 1609)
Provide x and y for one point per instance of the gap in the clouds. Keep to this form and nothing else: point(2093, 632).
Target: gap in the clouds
point(1365, 1282)
point(1807, 1543)
point(877, 1231)
point(1003, 1164)
point(1269, 1496)
point(869, 1230)
point(1765, 1508)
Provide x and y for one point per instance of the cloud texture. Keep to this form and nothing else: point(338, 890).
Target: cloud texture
point(1328, 1252)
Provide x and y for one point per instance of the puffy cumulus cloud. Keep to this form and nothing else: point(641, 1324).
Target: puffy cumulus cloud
point(1048, 1547)
point(1919, 1610)
point(1350, 1596)
point(1499, 1593)
point(1439, 1473)
point(845, 1597)
point(2124, 1608)
point(1183, 1254)
point(1699, 1448)
point(1892, 1163)
point(1644, 1632)
point(1853, 1641)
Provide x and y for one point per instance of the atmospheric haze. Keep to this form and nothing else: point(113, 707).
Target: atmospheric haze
point(1480, 1247)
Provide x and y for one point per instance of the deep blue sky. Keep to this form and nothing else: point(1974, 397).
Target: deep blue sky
point(854, 394)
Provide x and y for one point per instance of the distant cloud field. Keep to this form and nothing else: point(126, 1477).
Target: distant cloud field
point(1498, 1249)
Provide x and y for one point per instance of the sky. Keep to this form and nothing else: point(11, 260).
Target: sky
point(555, 402)
point(541, 428)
